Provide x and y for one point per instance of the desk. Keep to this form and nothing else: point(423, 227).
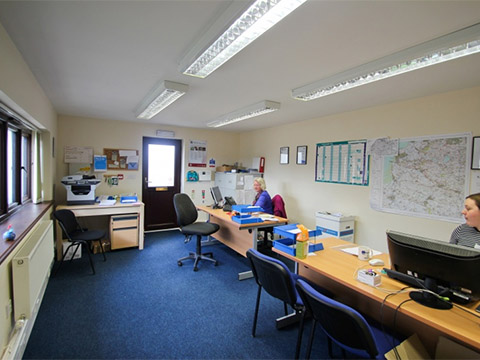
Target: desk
point(335, 269)
point(237, 237)
point(96, 210)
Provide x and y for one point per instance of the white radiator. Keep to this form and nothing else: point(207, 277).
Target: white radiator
point(31, 271)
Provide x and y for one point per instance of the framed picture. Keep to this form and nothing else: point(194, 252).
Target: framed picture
point(284, 154)
point(302, 155)
point(476, 153)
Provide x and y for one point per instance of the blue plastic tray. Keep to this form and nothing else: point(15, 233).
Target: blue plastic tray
point(285, 245)
point(284, 231)
point(242, 219)
point(246, 208)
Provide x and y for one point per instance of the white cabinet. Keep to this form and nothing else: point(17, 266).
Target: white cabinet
point(237, 185)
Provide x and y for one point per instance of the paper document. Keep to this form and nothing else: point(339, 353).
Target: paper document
point(354, 251)
point(267, 217)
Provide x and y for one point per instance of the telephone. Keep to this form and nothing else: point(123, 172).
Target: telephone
point(227, 206)
point(229, 201)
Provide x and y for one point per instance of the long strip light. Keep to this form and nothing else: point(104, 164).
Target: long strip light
point(452, 46)
point(159, 98)
point(257, 19)
point(263, 107)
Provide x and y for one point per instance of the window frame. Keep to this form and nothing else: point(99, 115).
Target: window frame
point(21, 190)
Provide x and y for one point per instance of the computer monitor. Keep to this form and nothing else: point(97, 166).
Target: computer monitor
point(448, 270)
point(217, 197)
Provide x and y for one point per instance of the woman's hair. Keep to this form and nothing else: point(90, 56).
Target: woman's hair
point(476, 198)
point(261, 181)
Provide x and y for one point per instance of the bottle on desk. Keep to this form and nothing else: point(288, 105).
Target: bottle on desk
point(301, 248)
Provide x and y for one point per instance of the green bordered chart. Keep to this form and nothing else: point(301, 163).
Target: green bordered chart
point(342, 162)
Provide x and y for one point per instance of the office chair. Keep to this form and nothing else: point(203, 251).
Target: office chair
point(342, 325)
point(78, 236)
point(187, 214)
point(278, 210)
point(277, 280)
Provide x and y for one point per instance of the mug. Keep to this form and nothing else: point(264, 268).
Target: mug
point(364, 252)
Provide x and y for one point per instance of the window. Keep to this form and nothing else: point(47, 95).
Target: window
point(15, 164)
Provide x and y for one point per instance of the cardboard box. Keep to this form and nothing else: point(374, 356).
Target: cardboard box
point(339, 226)
point(106, 246)
point(224, 168)
point(412, 348)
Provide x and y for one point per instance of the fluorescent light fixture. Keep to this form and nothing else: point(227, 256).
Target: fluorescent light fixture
point(159, 98)
point(452, 46)
point(257, 19)
point(263, 107)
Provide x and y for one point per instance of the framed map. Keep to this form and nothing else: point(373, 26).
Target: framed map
point(426, 176)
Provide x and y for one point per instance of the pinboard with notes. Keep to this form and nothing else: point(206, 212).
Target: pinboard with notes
point(121, 159)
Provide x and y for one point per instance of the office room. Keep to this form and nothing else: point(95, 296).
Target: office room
point(439, 101)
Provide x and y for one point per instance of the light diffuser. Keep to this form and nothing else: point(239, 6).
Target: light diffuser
point(248, 112)
point(257, 19)
point(159, 98)
point(452, 46)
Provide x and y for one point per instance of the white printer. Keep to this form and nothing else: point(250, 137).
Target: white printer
point(80, 189)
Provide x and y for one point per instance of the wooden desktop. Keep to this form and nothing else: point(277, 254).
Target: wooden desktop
point(336, 271)
point(238, 237)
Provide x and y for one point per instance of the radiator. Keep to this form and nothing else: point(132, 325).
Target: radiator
point(30, 271)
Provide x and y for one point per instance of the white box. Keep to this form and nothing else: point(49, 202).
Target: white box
point(335, 225)
point(69, 254)
point(369, 277)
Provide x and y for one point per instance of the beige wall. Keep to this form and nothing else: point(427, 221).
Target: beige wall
point(100, 134)
point(20, 92)
point(448, 113)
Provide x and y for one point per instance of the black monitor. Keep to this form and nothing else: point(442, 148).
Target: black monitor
point(450, 271)
point(217, 197)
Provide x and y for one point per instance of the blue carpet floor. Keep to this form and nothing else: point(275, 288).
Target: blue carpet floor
point(141, 305)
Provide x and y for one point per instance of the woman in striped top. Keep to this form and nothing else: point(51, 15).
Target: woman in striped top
point(468, 234)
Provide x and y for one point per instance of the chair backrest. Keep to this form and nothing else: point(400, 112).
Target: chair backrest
point(343, 324)
point(279, 206)
point(274, 276)
point(185, 209)
point(68, 221)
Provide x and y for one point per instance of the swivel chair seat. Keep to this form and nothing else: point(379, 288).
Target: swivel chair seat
point(187, 215)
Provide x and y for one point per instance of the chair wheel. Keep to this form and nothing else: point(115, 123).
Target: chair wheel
point(216, 263)
point(195, 268)
point(179, 263)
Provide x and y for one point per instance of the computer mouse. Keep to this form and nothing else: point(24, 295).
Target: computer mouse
point(376, 262)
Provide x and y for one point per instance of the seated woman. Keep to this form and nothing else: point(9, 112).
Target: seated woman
point(468, 234)
point(262, 198)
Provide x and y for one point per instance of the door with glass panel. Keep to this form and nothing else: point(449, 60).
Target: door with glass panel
point(162, 160)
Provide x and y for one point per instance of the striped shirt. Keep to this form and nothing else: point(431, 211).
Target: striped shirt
point(466, 236)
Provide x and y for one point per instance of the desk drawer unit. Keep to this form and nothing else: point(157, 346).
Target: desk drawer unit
point(124, 231)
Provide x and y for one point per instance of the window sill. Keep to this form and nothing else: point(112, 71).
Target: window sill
point(22, 222)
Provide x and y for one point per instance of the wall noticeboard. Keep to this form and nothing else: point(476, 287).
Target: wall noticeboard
point(121, 159)
point(78, 155)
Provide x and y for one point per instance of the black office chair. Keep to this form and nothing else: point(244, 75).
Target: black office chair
point(78, 236)
point(274, 276)
point(187, 214)
point(343, 325)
